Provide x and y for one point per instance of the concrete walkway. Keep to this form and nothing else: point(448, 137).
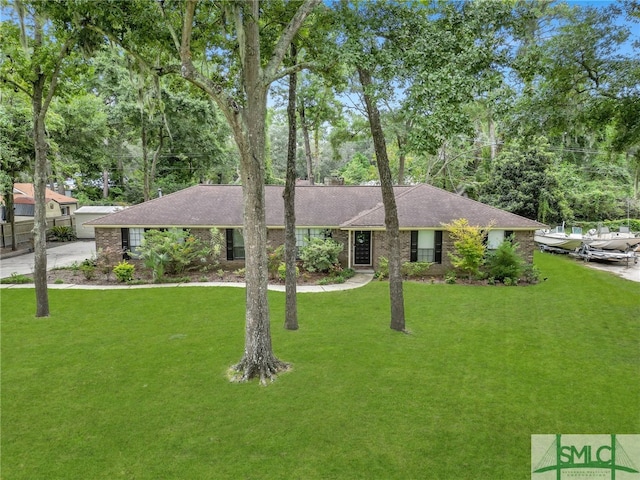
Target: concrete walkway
point(65, 255)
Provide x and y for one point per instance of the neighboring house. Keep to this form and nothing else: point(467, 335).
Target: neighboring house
point(84, 215)
point(58, 205)
point(351, 215)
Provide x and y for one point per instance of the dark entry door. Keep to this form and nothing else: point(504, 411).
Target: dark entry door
point(362, 248)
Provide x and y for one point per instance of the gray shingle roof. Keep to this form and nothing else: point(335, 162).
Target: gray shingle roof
point(419, 206)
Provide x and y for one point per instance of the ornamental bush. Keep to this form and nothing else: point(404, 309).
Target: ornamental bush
point(282, 271)
point(274, 259)
point(468, 247)
point(61, 233)
point(319, 255)
point(415, 269)
point(175, 250)
point(124, 271)
point(505, 263)
point(383, 268)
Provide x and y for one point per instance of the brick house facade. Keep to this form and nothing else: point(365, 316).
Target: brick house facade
point(352, 216)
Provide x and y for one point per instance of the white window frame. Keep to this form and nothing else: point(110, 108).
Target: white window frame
point(495, 239)
point(135, 238)
point(238, 244)
point(426, 246)
point(304, 234)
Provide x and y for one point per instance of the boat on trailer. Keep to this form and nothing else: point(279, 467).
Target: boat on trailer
point(559, 240)
point(604, 239)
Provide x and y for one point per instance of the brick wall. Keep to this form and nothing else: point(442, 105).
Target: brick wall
point(108, 238)
point(111, 237)
point(380, 249)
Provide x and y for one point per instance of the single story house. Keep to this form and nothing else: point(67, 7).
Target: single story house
point(58, 205)
point(351, 215)
point(85, 214)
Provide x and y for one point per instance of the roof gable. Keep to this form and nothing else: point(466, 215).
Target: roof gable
point(428, 206)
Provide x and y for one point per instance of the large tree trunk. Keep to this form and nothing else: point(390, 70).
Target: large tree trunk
point(291, 306)
point(258, 359)
point(39, 188)
point(248, 125)
point(390, 210)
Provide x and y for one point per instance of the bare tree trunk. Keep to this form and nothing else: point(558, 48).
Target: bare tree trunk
point(390, 209)
point(401, 159)
point(315, 165)
point(156, 157)
point(307, 145)
point(9, 213)
point(146, 193)
point(105, 183)
point(39, 188)
point(291, 305)
point(493, 141)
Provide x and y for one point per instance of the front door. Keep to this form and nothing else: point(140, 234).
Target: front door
point(362, 248)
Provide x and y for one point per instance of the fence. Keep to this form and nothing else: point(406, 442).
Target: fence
point(24, 228)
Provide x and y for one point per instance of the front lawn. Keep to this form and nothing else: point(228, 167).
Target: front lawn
point(131, 384)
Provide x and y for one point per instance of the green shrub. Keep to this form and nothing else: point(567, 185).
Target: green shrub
point(348, 273)
point(531, 273)
point(88, 270)
point(468, 247)
point(450, 278)
point(16, 278)
point(319, 255)
point(337, 275)
point(383, 268)
point(175, 250)
point(282, 271)
point(274, 260)
point(415, 269)
point(124, 271)
point(505, 262)
point(331, 280)
point(61, 233)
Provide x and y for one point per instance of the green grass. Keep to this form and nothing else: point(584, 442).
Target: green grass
point(131, 384)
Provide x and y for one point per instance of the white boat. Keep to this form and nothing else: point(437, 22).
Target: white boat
point(559, 239)
point(603, 238)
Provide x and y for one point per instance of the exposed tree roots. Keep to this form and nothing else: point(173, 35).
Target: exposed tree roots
point(266, 370)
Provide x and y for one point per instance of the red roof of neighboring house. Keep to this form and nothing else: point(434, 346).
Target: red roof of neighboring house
point(23, 193)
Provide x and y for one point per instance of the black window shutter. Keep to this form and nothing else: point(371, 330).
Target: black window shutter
point(438, 250)
point(124, 235)
point(508, 234)
point(414, 246)
point(229, 243)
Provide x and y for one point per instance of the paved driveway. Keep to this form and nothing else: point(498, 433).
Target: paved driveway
point(61, 256)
